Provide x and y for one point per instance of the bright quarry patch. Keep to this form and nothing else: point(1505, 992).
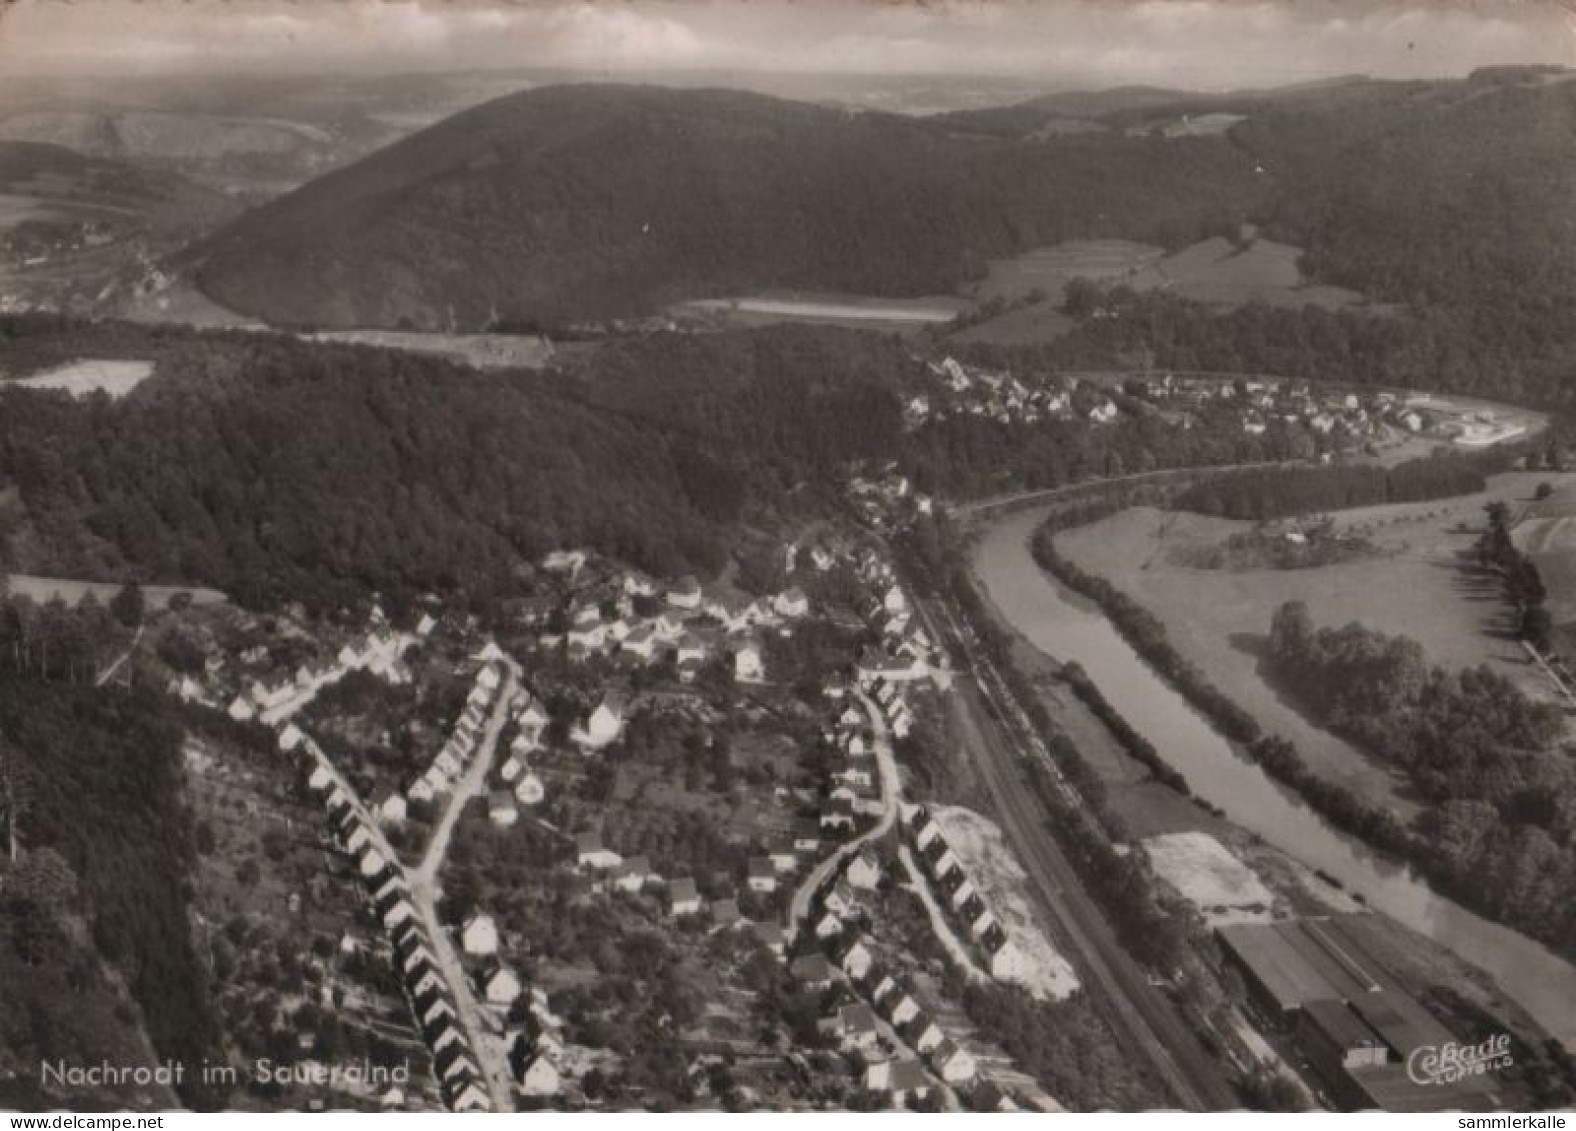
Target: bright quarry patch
point(1207, 875)
point(1002, 882)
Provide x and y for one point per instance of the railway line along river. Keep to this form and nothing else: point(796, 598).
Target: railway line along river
point(1065, 626)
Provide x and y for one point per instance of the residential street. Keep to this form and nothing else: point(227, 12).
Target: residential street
point(426, 890)
point(886, 767)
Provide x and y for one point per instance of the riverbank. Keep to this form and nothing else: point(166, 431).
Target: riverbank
point(1057, 624)
point(1374, 822)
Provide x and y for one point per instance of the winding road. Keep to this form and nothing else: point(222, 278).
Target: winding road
point(492, 1055)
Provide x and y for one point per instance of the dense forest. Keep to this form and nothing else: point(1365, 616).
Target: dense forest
point(93, 783)
point(277, 470)
point(1279, 492)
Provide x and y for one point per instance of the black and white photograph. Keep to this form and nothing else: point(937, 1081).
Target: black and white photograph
point(788, 556)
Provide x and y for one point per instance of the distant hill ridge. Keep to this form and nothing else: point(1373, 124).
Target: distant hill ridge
point(581, 202)
point(575, 203)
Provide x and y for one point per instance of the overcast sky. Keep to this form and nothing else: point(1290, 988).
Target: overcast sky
point(1196, 43)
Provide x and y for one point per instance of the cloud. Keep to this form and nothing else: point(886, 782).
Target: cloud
point(1207, 43)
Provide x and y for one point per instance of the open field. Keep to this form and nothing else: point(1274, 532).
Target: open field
point(1207, 875)
point(1213, 271)
point(832, 309)
point(69, 590)
point(15, 208)
point(1049, 268)
point(482, 351)
point(89, 375)
point(1023, 326)
point(1416, 586)
point(1546, 532)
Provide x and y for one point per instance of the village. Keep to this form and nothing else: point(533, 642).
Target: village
point(1332, 418)
point(542, 831)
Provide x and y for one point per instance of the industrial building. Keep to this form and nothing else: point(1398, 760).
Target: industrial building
point(1352, 1020)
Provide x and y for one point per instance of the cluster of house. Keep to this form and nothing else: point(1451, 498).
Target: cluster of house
point(431, 1002)
point(1262, 402)
point(784, 856)
point(451, 760)
point(896, 1069)
point(520, 784)
point(886, 499)
point(958, 895)
point(611, 872)
point(906, 653)
point(678, 620)
point(381, 651)
point(536, 1048)
point(976, 391)
point(853, 783)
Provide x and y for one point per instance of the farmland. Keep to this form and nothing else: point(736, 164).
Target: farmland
point(1416, 585)
point(1217, 272)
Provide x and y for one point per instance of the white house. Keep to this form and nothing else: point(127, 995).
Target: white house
point(927, 1035)
point(479, 935)
point(791, 603)
point(500, 986)
point(641, 642)
point(390, 807)
point(747, 665)
point(864, 870)
point(541, 1076)
point(590, 852)
point(683, 898)
point(856, 959)
point(606, 723)
point(953, 1063)
point(530, 790)
point(762, 875)
point(501, 808)
point(685, 595)
point(632, 874)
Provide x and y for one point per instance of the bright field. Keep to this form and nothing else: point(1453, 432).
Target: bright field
point(1207, 875)
point(1417, 587)
point(79, 378)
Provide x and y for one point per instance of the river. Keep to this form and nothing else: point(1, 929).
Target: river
point(1067, 627)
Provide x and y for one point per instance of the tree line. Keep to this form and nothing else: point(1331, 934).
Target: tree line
point(1500, 827)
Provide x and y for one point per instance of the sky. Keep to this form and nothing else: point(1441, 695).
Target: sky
point(1200, 44)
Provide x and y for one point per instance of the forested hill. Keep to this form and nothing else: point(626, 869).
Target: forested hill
point(280, 470)
point(572, 203)
point(1457, 192)
point(580, 202)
